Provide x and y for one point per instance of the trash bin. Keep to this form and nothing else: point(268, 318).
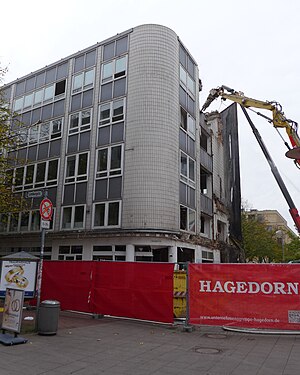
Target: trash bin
point(48, 315)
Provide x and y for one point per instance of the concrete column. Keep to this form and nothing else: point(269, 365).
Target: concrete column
point(198, 254)
point(217, 256)
point(172, 254)
point(129, 253)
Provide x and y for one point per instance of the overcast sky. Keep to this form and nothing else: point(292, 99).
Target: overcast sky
point(250, 46)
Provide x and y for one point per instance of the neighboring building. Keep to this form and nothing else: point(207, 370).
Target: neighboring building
point(114, 134)
point(273, 221)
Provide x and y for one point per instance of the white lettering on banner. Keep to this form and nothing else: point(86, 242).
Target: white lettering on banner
point(251, 287)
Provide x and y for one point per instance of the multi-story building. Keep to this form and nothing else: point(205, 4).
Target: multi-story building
point(114, 135)
point(274, 222)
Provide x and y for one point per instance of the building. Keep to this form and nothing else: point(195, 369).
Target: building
point(114, 135)
point(274, 222)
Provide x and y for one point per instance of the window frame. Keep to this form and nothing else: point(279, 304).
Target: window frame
point(24, 134)
point(109, 172)
point(111, 119)
point(34, 183)
point(76, 177)
point(187, 178)
point(80, 127)
point(32, 214)
point(44, 94)
point(188, 225)
point(114, 73)
point(83, 86)
point(73, 213)
point(106, 214)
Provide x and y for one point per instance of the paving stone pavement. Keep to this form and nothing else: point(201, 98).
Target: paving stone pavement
point(83, 345)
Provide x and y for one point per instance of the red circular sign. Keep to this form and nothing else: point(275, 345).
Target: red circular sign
point(46, 209)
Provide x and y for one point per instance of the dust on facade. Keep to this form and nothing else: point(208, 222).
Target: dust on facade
point(134, 170)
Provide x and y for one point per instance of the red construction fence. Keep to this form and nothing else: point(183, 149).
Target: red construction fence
point(239, 295)
point(245, 295)
point(133, 290)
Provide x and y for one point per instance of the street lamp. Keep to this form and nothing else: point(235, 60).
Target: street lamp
point(280, 234)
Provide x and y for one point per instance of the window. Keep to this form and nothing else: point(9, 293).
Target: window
point(19, 175)
point(205, 227)
point(207, 256)
point(3, 222)
point(76, 168)
point(73, 217)
point(24, 224)
point(112, 112)
point(73, 252)
point(111, 122)
point(204, 181)
point(186, 101)
point(107, 214)
point(13, 224)
point(114, 69)
point(36, 175)
point(109, 162)
point(85, 61)
point(115, 48)
point(187, 195)
point(113, 79)
point(28, 100)
point(28, 221)
point(113, 89)
point(187, 81)
point(204, 139)
point(187, 219)
point(41, 96)
point(83, 81)
point(33, 134)
point(80, 121)
point(60, 88)
point(221, 231)
point(186, 61)
point(40, 132)
point(187, 169)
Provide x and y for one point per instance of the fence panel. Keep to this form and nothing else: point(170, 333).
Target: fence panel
point(245, 295)
point(134, 290)
point(69, 283)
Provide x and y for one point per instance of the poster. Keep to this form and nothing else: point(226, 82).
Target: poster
point(13, 307)
point(18, 274)
point(245, 295)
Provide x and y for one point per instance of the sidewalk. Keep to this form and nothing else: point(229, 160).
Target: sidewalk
point(86, 346)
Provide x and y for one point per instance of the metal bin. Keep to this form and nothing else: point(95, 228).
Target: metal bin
point(48, 315)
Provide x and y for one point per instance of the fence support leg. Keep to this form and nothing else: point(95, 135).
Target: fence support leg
point(187, 327)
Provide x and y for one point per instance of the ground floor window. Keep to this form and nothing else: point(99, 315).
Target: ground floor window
point(33, 250)
point(73, 252)
point(185, 254)
point(113, 253)
point(207, 256)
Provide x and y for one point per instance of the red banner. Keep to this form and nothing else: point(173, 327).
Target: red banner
point(245, 295)
point(69, 283)
point(134, 290)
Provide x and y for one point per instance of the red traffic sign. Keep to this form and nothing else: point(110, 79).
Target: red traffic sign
point(46, 209)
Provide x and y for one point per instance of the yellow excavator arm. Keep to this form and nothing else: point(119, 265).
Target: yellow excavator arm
point(279, 121)
point(278, 118)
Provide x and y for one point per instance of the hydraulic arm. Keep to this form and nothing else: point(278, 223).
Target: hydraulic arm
point(278, 120)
